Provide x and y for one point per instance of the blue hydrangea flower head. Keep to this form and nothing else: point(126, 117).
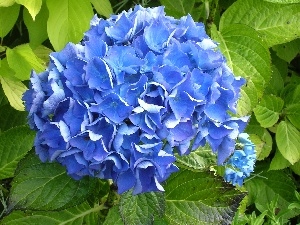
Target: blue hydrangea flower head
point(139, 87)
point(241, 163)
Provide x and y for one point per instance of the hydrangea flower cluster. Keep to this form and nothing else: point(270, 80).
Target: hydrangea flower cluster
point(138, 88)
point(241, 163)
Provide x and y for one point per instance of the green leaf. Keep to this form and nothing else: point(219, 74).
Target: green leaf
point(37, 29)
point(33, 6)
point(8, 17)
point(287, 93)
point(293, 114)
point(201, 158)
point(141, 208)
point(244, 103)
point(178, 8)
point(67, 21)
point(264, 188)
point(12, 87)
point(268, 110)
point(288, 51)
point(113, 217)
point(103, 7)
point(46, 186)
point(263, 144)
point(276, 83)
point(288, 141)
point(14, 144)
point(3, 99)
point(200, 198)
point(248, 57)
point(279, 162)
point(81, 214)
point(10, 118)
point(294, 96)
point(42, 52)
point(283, 1)
point(6, 3)
point(22, 60)
point(296, 168)
point(260, 16)
point(260, 137)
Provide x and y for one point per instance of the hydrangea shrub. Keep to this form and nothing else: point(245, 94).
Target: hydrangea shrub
point(140, 87)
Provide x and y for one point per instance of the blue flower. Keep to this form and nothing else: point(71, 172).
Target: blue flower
point(139, 87)
point(241, 163)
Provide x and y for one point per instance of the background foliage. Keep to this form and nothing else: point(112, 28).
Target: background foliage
point(260, 39)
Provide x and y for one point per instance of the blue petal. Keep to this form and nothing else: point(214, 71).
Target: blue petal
point(114, 108)
point(181, 104)
point(121, 31)
point(103, 128)
point(156, 35)
point(98, 75)
point(182, 131)
point(125, 181)
point(95, 47)
point(74, 72)
point(122, 59)
point(51, 103)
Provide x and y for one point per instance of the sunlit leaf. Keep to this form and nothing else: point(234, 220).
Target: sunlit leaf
point(8, 17)
point(103, 7)
point(288, 141)
point(275, 23)
point(22, 60)
point(67, 21)
point(248, 57)
point(37, 28)
point(33, 6)
point(268, 110)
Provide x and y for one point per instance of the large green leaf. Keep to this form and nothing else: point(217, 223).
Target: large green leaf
point(283, 1)
point(103, 7)
point(68, 20)
point(268, 185)
point(288, 51)
point(178, 8)
point(33, 6)
point(12, 87)
point(288, 141)
point(113, 217)
point(268, 110)
point(81, 214)
point(6, 3)
point(200, 198)
point(279, 162)
point(8, 17)
point(293, 114)
point(275, 23)
point(42, 52)
point(14, 144)
point(13, 90)
point(22, 60)
point(201, 158)
point(46, 186)
point(141, 208)
point(276, 83)
point(260, 137)
point(37, 29)
point(248, 57)
point(10, 118)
